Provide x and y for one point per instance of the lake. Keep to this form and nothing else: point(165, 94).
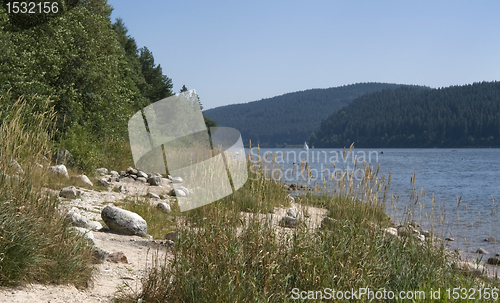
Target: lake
point(471, 176)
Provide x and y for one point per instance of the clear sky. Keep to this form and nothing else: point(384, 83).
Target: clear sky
point(241, 51)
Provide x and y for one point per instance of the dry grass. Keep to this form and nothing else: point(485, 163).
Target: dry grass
point(35, 243)
point(229, 259)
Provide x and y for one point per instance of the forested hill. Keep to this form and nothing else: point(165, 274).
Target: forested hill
point(289, 118)
point(456, 116)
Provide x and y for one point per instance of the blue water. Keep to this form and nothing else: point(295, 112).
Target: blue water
point(469, 175)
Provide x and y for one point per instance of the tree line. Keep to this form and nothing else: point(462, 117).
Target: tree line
point(289, 119)
point(456, 116)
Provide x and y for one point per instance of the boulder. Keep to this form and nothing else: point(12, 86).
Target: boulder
point(180, 191)
point(292, 212)
point(104, 182)
point(60, 170)
point(124, 221)
point(154, 180)
point(101, 171)
point(78, 220)
point(89, 236)
point(164, 207)
point(131, 171)
point(494, 261)
point(69, 192)
point(142, 174)
point(175, 179)
point(114, 174)
point(83, 179)
point(392, 231)
point(450, 239)
point(289, 222)
point(118, 257)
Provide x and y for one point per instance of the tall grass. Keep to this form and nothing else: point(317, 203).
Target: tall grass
point(35, 243)
point(224, 257)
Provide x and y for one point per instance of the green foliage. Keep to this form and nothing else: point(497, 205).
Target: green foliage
point(289, 118)
point(91, 70)
point(456, 116)
point(159, 86)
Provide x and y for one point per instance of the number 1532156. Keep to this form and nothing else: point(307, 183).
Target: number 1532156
point(32, 7)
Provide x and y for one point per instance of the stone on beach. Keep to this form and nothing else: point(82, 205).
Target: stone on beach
point(101, 171)
point(124, 221)
point(78, 220)
point(89, 236)
point(69, 192)
point(83, 179)
point(164, 207)
point(60, 170)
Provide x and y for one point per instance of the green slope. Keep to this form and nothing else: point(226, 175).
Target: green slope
point(456, 116)
point(289, 118)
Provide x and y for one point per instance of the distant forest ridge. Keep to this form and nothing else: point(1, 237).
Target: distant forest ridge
point(289, 119)
point(455, 116)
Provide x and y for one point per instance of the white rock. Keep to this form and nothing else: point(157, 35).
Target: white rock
point(181, 191)
point(69, 192)
point(79, 220)
point(292, 212)
point(391, 230)
point(124, 221)
point(89, 236)
point(60, 170)
point(84, 179)
point(142, 174)
point(176, 179)
point(164, 207)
